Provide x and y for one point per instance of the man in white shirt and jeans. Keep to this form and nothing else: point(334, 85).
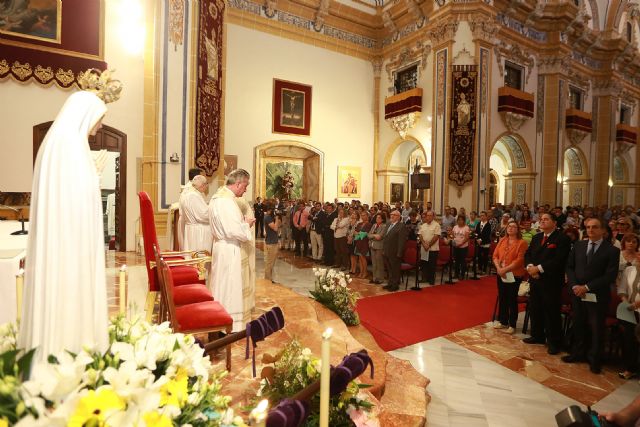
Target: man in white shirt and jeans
point(430, 240)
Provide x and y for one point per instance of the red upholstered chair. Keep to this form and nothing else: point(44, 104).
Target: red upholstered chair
point(207, 317)
point(184, 294)
point(183, 271)
point(409, 261)
point(471, 253)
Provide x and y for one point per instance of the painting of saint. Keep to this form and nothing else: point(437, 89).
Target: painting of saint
point(348, 181)
point(34, 19)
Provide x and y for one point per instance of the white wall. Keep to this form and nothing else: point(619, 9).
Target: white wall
point(24, 105)
point(341, 111)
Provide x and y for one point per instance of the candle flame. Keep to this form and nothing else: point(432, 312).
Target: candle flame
point(327, 333)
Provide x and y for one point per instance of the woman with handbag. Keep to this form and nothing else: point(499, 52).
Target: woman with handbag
point(508, 258)
point(340, 235)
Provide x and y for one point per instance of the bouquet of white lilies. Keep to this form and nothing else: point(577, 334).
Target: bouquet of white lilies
point(331, 290)
point(149, 376)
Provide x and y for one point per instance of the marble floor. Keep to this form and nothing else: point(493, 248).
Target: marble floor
point(468, 385)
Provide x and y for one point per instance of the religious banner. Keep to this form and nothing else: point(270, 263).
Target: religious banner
point(209, 85)
point(463, 123)
point(50, 41)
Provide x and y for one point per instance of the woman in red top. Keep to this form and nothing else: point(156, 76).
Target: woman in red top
point(508, 258)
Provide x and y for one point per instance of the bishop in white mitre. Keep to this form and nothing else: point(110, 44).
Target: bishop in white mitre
point(195, 214)
point(229, 229)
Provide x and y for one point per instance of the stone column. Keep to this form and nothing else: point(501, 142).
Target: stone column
point(607, 93)
point(441, 37)
point(552, 68)
point(484, 28)
point(377, 69)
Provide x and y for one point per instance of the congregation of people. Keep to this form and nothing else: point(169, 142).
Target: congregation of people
point(579, 257)
point(578, 262)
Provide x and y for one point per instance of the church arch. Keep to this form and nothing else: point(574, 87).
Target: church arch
point(290, 152)
point(396, 169)
point(510, 163)
point(575, 177)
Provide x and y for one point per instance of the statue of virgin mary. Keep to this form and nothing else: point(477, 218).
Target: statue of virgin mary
point(65, 297)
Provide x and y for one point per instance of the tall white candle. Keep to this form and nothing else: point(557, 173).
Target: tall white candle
point(325, 372)
point(123, 280)
point(19, 291)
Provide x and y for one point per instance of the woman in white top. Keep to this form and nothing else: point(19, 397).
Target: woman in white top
point(628, 290)
point(460, 235)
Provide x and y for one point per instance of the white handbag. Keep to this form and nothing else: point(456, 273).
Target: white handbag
point(523, 290)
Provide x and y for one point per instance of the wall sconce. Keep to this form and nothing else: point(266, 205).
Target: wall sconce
point(559, 178)
point(610, 183)
point(175, 158)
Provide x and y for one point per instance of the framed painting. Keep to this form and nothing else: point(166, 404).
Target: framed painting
point(283, 179)
point(291, 108)
point(35, 19)
point(349, 181)
point(397, 192)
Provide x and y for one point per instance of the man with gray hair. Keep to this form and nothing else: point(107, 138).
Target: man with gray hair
point(229, 229)
point(194, 211)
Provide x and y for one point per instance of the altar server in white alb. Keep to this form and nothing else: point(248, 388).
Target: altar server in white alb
point(65, 296)
point(230, 229)
point(194, 210)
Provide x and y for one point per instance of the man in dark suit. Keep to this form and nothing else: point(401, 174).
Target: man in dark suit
point(327, 235)
point(258, 211)
point(483, 231)
point(393, 249)
point(592, 268)
point(545, 260)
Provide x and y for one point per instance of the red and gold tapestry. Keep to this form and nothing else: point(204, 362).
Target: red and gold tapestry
point(209, 85)
point(51, 41)
point(463, 123)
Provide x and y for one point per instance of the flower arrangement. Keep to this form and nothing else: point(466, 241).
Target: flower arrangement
point(331, 290)
point(294, 368)
point(149, 376)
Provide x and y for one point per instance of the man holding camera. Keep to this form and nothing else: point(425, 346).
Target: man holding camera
point(272, 224)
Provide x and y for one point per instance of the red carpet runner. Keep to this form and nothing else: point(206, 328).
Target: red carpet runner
point(400, 319)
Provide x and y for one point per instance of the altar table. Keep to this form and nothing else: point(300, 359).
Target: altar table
point(12, 250)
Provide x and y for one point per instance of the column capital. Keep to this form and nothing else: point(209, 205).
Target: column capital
point(483, 27)
point(607, 87)
point(554, 64)
point(443, 32)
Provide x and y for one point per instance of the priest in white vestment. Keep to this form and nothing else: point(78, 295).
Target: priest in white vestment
point(195, 212)
point(248, 261)
point(188, 187)
point(65, 296)
point(229, 229)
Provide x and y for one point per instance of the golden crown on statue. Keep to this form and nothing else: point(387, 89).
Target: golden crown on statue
point(100, 83)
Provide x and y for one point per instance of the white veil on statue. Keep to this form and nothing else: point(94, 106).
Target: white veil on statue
point(65, 297)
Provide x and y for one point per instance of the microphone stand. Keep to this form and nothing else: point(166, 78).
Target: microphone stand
point(418, 248)
point(21, 219)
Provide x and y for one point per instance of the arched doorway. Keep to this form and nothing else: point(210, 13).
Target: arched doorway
point(618, 182)
point(510, 166)
point(293, 161)
point(494, 188)
point(575, 178)
point(405, 158)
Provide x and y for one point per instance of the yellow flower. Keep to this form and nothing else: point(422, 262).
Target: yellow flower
point(94, 407)
point(156, 420)
point(175, 391)
point(4, 422)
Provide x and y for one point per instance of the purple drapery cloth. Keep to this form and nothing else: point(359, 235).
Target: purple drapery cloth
point(351, 367)
point(260, 328)
point(288, 413)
